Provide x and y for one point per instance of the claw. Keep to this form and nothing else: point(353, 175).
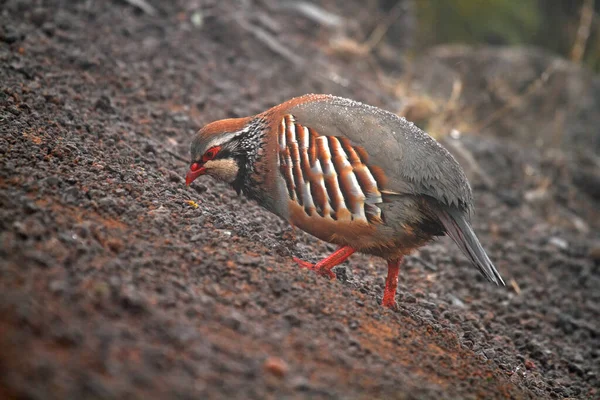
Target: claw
point(303, 264)
point(315, 267)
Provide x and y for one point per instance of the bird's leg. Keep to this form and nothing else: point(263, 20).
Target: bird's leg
point(391, 283)
point(324, 266)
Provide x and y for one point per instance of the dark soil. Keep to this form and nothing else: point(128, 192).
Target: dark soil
point(117, 281)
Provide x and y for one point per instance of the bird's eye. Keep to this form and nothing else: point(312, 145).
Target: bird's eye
point(210, 153)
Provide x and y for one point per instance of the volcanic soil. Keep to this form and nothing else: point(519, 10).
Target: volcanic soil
point(117, 281)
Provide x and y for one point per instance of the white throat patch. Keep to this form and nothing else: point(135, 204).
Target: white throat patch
point(223, 169)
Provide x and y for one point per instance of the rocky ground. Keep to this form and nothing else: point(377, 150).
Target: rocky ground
point(117, 281)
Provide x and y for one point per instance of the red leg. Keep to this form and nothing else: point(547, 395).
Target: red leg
point(391, 283)
point(324, 267)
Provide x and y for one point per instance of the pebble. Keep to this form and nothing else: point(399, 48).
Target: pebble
point(489, 353)
point(456, 301)
point(559, 243)
point(57, 286)
point(104, 104)
point(249, 260)
point(276, 366)
point(175, 177)
point(39, 16)
point(52, 181)
point(9, 35)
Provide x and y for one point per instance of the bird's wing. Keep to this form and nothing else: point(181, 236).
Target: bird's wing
point(412, 161)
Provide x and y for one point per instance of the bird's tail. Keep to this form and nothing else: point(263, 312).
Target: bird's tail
point(459, 229)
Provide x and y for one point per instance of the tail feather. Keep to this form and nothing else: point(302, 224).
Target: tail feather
point(461, 232)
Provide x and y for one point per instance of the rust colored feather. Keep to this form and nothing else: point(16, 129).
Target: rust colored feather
point(327, 176)
point(362, 154)
point(292, 144)
point(286, 171)
point(312, 149)
point(379, 176)
point(353, 158)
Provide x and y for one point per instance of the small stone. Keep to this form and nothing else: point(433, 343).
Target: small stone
point(149, 148)
point(197, 19)
point(57, 286)
point(428, 305)
point(133, 301)
point(10, 36)
point(576, 368)
point(108, 202)
point(71, 194)
point(199, 188)
point(48, 28)
point(104, 104)
point(174, 177)
point(354, 324)
point(276, 366)
point(530, 365)
point(489, 353)
point(559, 243)
point(115, 245)
point(249, 260)
point(52, 181)
point(292, 318)
point(456, 301)
point(409, 298)
point(68, 337)
point(39, 16)
point(234, 321)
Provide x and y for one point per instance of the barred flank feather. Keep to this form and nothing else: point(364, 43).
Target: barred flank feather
point(327, 175)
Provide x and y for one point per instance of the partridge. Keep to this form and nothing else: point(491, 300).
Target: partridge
point(347, 173)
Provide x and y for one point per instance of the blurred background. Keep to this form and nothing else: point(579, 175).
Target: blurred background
point(568, 28)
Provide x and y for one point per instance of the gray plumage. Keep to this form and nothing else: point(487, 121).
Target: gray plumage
point(414, 163)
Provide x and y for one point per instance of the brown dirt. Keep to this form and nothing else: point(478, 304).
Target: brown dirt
point(116, 281)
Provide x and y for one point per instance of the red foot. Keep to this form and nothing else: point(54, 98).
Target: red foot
point(324, 267)
point(391, 283)
point(313, 267)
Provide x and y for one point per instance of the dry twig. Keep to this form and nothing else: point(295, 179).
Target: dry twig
point(270, 41)
point(583, 31)
point(382, 28)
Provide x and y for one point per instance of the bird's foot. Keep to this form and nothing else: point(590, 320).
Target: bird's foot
point(389, 302)
point(319, 269)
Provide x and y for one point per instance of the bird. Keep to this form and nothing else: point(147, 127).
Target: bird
point(351, 174)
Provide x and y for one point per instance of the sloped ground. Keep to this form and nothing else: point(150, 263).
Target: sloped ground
point(118, 282)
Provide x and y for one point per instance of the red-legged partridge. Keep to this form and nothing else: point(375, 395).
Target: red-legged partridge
point(349, 174)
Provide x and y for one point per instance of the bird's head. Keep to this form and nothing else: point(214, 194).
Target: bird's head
point(223, 149)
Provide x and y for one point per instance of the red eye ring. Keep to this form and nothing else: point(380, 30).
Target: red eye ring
point(211, 153)
point(195, 167)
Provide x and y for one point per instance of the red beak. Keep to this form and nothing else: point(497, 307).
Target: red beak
point(192, 175)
